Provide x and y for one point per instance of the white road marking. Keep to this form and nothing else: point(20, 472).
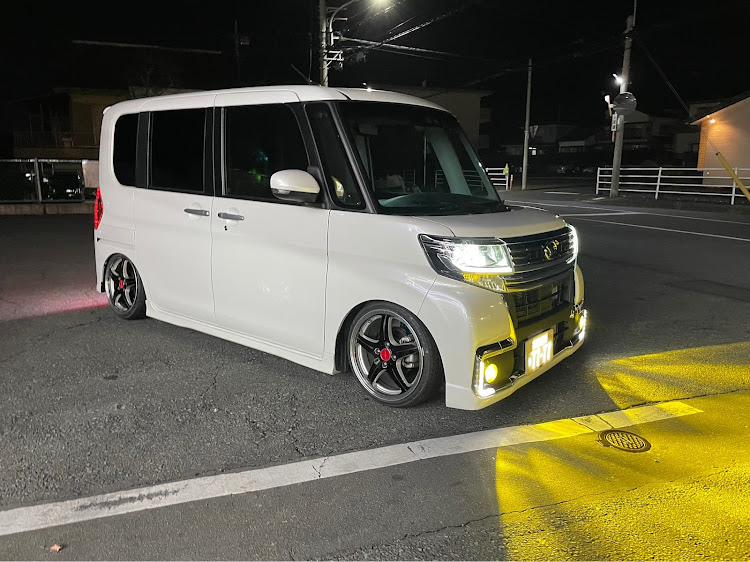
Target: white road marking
point(35, 517)
point(668, 230)
point(641, 212)
point(612, 214)
point(561, 192)
point(566, 205)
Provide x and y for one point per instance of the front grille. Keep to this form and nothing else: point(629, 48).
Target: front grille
point(529, 305)
point(540, 259)
point(536, 302)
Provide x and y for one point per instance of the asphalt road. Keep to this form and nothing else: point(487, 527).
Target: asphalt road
point(91, 405)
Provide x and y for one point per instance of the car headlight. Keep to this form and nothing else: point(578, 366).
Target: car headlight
point(574, 242)
point(480, 261)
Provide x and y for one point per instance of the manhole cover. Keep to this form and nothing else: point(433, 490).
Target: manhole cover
point(624, 441)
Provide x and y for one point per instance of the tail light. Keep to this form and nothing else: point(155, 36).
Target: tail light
point(98, 208)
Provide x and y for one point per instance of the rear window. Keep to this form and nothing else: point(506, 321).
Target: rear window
point(177, 150)
point(126, 139)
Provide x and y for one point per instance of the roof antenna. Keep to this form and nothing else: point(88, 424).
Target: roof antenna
point(305, 78)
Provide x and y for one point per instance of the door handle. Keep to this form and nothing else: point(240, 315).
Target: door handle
point(231, 217)
point(199, 212)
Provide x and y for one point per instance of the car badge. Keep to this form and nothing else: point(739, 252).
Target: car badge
point(551, 249)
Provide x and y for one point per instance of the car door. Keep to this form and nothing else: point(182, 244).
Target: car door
point(173, 215)
point(269, 257)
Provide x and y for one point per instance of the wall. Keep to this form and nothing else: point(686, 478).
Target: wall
point(464, 104)
point(730, 135)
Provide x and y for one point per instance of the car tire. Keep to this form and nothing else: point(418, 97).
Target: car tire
point(124, 288)
point(393, 356)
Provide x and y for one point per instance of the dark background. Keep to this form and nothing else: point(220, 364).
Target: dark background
point(576, 46)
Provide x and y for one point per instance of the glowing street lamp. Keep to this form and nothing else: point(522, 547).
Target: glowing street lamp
point(327, 56)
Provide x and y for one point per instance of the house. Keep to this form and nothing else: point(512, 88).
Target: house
point(582, 139)
point(63, 123)
point(466, 105)
point(725, 128)
point(543, 140)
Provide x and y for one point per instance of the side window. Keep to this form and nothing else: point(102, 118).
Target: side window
point(124, 150)
point(177, 150)
point(336, 165)
point(259, 141)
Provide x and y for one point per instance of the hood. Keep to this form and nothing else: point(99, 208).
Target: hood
point(519, 221)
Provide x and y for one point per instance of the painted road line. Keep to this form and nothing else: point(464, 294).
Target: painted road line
point(641, 212)
point(566, 205)
point(612, 214)
point(668, 230)
point(561, 193)
point(35, 517)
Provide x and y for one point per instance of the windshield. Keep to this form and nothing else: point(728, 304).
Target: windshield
point(417, 160)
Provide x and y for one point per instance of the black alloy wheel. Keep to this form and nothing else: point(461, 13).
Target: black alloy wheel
point(124, 288)
point(393, 355)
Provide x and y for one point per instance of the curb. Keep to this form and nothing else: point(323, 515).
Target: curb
point(83, 208)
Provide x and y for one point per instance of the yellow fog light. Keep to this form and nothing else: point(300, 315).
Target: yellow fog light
point(582, 320)
point(490, 373)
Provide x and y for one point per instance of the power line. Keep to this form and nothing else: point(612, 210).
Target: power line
point(514, 67)
point(143, 46)
point(417, 27)
point(642, 45)
point(438, 55)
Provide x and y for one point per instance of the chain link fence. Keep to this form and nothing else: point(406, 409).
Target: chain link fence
point(41, 180)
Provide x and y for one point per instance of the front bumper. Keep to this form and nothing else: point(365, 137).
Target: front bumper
point(470, 324)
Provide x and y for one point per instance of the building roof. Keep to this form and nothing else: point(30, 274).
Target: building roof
point(580, 134)
point(720, 105)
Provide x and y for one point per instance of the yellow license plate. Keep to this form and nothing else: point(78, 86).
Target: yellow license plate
point(539, 350)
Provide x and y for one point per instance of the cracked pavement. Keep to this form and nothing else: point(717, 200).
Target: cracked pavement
point(90, 404)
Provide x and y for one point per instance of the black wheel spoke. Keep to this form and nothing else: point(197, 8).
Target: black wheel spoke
point(375, 370)
point(129, 295)
point(397, 378)
point(369, 345)
point(404, 349)
point(384, 325)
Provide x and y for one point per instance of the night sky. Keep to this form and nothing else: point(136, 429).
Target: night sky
point(576, 45)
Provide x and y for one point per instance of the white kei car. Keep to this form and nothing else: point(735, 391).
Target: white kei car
point(343, 229)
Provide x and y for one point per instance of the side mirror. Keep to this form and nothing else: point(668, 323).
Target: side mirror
point(294, 185)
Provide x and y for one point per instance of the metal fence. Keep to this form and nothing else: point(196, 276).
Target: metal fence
point(42, 180)
point(713, 182)
point(58, 139)
point(473, 179)
point(499, 179)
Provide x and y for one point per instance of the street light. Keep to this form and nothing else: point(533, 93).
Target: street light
point(327, 56)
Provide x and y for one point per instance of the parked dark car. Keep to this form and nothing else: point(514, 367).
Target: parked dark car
point(569, 168)
point(63, 185)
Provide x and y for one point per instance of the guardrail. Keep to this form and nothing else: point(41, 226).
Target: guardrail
point(713, 182)
point(499, 178)
point(58, 139)
point(45, 180)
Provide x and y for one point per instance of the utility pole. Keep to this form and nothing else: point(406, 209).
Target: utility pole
point(237, 52)
point(620, 130)
point(526, 131)
point(323, 42)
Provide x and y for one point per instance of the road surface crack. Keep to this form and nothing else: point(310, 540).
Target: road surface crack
point(668, 400)
point(447, 527)
point(95, 321)
point(319, 470)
